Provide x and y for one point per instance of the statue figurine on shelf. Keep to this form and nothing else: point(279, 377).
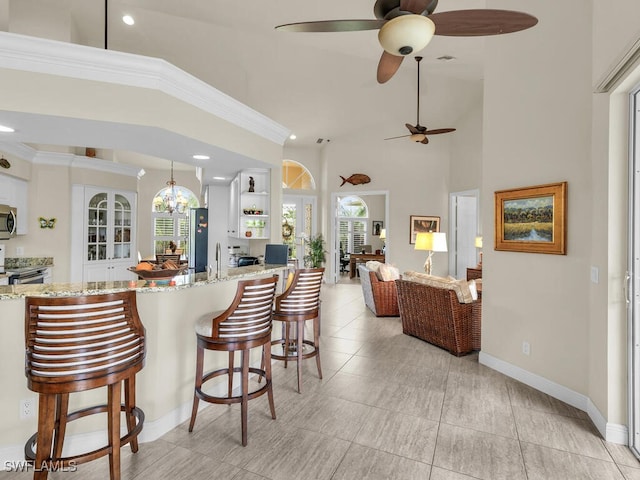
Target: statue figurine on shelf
point(252, 185)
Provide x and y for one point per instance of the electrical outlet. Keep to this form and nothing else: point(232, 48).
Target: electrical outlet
point(27, 407)
point(19, 251)
point(526, 348)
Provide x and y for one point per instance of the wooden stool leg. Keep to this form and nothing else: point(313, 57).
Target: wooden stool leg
point(198, 386)
point(129, 405)
point(46, 424)
point(62, 409)
point(287, 331)
point(299, 345)
point(266, 355)
point(230, 379)
point(113, 415)
point(245, 394)
point(316, 343)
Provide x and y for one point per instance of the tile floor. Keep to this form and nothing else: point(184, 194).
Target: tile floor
point(389, 407)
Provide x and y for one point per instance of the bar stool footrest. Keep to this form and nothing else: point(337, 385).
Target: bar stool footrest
point(293, 354)
point(235, 398)
point(30, 454)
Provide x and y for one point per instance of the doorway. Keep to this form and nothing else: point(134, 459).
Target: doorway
point(378, 208)
point(298, 223)
point(463, 230)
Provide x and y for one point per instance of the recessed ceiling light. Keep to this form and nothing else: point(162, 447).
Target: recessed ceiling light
point(5, 129)
point(201, 157)
point(219, 178)
point(128, 19)
point(293, 136)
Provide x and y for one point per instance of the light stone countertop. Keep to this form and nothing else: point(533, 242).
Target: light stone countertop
point(93, 288)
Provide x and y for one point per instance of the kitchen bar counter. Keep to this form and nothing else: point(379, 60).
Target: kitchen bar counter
point(90, 288)
point(165, 384)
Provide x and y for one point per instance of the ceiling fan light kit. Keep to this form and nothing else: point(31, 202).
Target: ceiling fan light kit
point(406, 34)
point(418, 137)
point(407, 26)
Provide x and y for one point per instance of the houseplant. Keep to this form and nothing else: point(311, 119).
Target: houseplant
point(316, 252)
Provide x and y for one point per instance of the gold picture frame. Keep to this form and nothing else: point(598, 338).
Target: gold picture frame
point(421, 224)
point(531, 219)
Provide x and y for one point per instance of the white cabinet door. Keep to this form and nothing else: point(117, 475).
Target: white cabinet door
point(234, 208)
point(109, 234)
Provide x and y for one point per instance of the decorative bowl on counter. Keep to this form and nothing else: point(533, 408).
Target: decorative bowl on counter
point(163, 274)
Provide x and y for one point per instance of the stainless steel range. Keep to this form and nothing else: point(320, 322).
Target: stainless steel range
point(20, 276)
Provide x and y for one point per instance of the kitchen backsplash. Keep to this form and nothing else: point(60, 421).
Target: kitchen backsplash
point(21, 262)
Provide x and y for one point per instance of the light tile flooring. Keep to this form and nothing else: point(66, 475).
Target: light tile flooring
point(389, 407)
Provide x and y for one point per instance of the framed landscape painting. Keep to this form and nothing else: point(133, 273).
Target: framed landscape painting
point(420, 224)
point(532, 219)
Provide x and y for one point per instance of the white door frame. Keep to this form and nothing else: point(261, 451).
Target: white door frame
point(453, 225)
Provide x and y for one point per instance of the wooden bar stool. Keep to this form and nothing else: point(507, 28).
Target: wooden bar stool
point(75, 344)
point(297, 304)
point(246, 324)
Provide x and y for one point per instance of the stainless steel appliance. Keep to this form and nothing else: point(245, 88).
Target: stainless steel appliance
point(4, 279)
point(21, 276)
point(8, 222)
point(245, 261)
point(198, 239)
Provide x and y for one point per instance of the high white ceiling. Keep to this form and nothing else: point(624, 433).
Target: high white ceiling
point(319, 85)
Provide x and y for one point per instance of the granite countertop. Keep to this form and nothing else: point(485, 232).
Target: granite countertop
point(94, 288)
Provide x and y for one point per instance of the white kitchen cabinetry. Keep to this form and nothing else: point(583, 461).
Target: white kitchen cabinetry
point(234, 208)
point(109, 234)
point(249, 204)
point(15, 193)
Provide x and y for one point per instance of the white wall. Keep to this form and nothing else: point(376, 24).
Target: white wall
point(416, 175)
point(537, 124)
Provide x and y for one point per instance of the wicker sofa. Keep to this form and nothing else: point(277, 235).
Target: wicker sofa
point(436, 315)
point(379, 296)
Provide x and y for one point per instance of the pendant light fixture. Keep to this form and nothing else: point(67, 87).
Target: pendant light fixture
point(171, 198)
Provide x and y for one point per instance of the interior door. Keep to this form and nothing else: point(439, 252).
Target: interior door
point(463, 210)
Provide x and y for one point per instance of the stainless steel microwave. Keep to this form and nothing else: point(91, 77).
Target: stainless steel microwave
point(8, 222)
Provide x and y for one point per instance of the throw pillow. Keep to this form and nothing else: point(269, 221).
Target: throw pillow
point(460, 287)
point(388, 273)
point(373, 265)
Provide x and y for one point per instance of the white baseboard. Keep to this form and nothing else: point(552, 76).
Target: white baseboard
point(85, 442)
point(610, 432)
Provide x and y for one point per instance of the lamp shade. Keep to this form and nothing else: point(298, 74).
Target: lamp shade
point(433, 241)
point(383, 234)
point(405, 34)
point(478, 243)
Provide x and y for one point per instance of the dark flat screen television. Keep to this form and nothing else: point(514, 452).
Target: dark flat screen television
point(276, 254)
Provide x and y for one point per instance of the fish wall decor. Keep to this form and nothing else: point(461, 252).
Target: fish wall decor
point(356, 179)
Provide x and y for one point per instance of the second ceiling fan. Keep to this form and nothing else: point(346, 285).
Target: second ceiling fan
point(418, 132)
point(407, 26)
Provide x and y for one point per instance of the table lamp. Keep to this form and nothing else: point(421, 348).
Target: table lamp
point(478, 244)
point(433, 242)
point(383, 237)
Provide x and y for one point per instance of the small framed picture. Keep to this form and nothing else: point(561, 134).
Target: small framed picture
point(420, 224)
point(376, 227)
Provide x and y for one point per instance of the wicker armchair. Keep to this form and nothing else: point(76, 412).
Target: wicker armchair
point(379, 296)
point(436, 316)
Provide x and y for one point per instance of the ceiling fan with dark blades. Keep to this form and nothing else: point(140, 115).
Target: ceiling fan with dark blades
point(418, 132)
point(407, 26)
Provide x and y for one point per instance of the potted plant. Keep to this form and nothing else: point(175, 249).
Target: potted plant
point(316, 252)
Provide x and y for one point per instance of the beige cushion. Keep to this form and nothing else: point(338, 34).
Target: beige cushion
point(461, 287)
point(373, 265)
point(388, 273)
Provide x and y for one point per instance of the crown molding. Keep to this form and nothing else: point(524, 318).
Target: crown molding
point(21, 52)
point(19, 150)
point(78, 161)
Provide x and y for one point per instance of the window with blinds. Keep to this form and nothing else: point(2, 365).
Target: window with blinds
point(352, 225)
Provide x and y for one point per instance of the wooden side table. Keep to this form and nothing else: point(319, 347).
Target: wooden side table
point(473, 273)
point(362, 258)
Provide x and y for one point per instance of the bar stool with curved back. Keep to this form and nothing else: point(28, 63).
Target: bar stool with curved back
point(75, 344)
point(297, 304)
point(246, 324)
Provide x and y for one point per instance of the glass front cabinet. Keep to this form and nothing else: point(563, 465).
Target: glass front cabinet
point(109, 247)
